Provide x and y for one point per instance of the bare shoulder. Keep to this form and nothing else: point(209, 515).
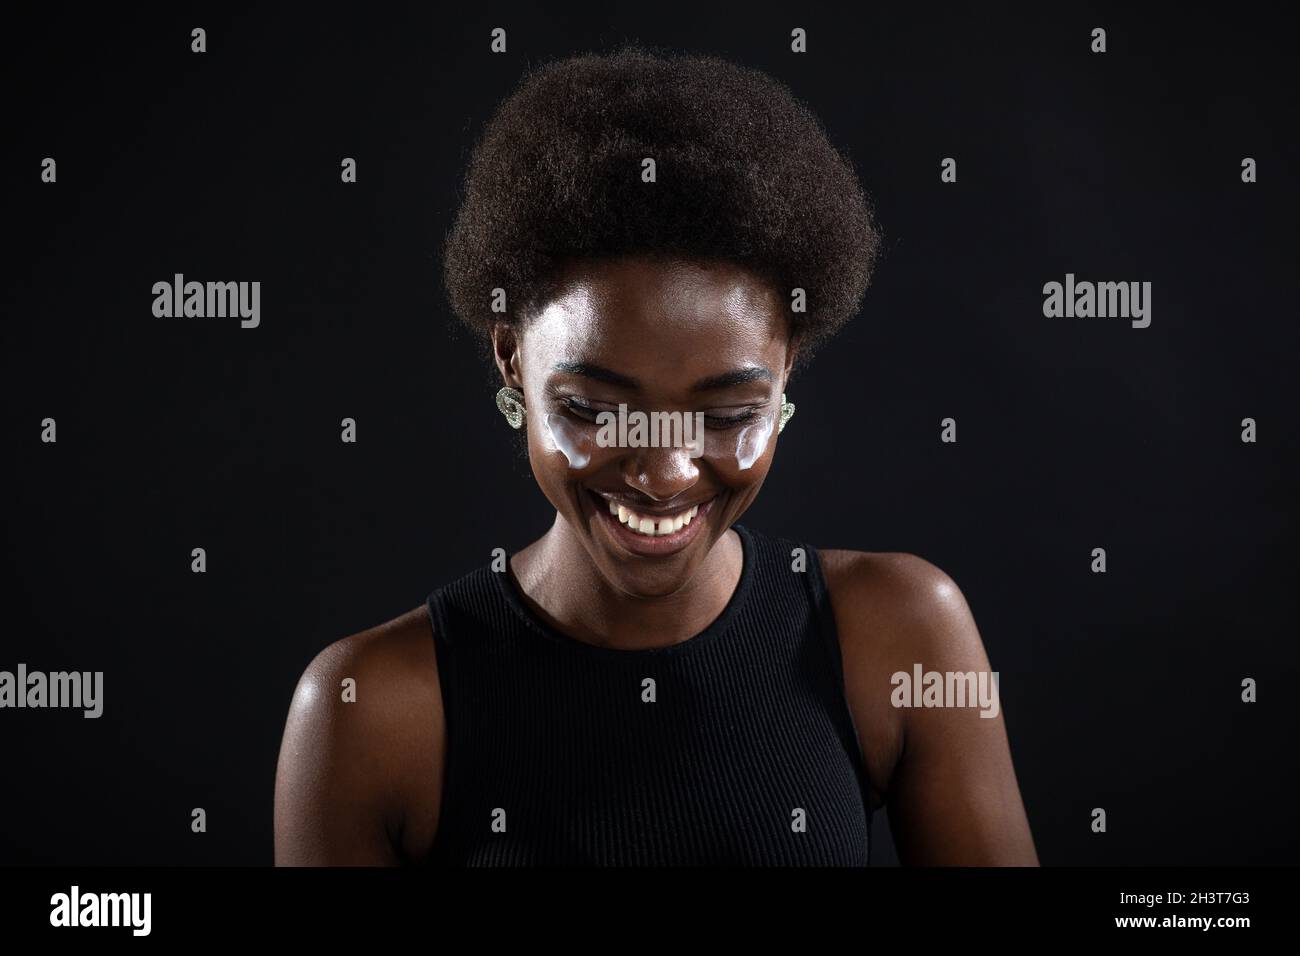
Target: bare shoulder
point(359, 775)
point(895, 600)
point(892, 610)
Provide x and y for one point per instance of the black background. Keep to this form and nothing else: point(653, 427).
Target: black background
point(1120, 690)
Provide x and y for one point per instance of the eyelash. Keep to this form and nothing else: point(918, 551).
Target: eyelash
point(718, 423)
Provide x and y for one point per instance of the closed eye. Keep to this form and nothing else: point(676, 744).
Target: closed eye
point(731, 421)
point(588, 413)
point(580, 410)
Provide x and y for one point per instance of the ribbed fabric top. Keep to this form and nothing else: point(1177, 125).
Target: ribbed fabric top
point(741, 751)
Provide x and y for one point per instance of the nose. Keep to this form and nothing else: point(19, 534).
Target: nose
point(660, 473)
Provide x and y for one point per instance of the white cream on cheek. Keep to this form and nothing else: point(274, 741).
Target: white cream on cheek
point(752, 441)
point(570, 440)
point(575, 441)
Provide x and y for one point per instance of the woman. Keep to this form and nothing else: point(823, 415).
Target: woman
point(652, 682)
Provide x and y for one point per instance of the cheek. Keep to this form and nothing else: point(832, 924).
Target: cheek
point(576, 441)
point(752, 443)
point(562, 449)
point(742, 457)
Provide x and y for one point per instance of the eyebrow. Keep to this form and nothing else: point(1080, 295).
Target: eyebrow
point(739, 376)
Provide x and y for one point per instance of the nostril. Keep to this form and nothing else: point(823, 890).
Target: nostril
point(658, 491)
point(660, 476)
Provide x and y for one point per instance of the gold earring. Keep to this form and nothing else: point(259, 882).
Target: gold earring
point(511, 402)
point(787, 412)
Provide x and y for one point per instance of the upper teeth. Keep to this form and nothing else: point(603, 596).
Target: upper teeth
point(663, 524)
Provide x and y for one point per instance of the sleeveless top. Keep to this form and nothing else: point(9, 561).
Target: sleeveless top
point(734, 747)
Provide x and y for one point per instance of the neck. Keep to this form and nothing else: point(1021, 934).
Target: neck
point(562, 584)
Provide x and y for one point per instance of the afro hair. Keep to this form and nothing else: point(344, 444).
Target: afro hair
point(744, 172)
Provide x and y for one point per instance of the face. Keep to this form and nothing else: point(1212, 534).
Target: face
point(654, 336)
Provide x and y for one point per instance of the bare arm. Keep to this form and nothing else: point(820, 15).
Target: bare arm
point(358, 782)
point(946, 773)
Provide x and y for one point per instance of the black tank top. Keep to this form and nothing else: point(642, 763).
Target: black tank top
point(740, 752)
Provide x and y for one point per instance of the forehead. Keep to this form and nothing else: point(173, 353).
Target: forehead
point(639, 310)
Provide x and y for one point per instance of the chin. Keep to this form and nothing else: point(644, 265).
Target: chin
point(644, 565)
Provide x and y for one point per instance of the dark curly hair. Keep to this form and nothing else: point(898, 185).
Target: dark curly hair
point(744, 173)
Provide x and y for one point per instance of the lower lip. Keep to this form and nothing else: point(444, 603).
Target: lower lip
point(645, 544)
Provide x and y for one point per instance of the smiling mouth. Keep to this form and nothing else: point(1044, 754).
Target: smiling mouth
point(661, 532)
point(652, 525)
